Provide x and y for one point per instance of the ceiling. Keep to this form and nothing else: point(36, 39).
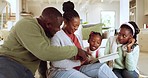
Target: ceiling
point(79, 2)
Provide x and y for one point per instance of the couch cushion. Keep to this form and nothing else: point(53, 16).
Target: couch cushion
point(87, 29)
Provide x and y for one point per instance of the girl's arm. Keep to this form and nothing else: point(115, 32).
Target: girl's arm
point(131, 59)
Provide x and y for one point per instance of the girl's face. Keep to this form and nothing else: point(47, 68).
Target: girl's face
point(73, 25)
point(94, 42)
point(124, 36)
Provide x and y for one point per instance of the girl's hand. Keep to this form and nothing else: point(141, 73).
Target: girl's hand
point(130, 44)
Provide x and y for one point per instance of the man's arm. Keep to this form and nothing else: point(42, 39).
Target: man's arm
point(33, 38)
point(56, 40)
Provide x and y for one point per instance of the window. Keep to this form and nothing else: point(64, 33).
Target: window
point(7, 13)
point(108, 18)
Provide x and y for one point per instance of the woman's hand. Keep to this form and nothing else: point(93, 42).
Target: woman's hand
point(82, 54)
point(85, 62)
point(89, 53)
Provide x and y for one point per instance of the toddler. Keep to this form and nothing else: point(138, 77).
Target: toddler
point(93, 50)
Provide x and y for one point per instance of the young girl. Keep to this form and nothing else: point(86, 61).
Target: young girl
point(93, 50)
point(125, 44)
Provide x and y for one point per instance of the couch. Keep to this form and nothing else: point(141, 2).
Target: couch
point(84, 31)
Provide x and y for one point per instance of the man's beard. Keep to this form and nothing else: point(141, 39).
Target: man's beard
point(48, 34)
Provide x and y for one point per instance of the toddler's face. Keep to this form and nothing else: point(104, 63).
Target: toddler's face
point(94, 42)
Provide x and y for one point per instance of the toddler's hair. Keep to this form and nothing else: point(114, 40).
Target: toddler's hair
point(92, 33)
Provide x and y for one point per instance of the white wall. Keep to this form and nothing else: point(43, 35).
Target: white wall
point(124, 11)
point(90, 14)
point(140, 17)
point(139, 13)
point(94, 11)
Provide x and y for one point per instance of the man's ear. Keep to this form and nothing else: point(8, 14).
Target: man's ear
point(88, 40)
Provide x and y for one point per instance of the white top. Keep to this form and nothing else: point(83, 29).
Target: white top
point(95, 54)
point(61, 39)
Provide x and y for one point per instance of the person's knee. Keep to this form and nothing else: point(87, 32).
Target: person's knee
point(130, 74)
point(106, 72)
point(2, 76)
point(118, 73)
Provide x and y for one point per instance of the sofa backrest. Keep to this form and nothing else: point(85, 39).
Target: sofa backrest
point(86, 29)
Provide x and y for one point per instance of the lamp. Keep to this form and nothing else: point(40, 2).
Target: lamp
point(101, 0)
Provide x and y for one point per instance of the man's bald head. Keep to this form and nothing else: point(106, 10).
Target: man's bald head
point(51, 12)
point(51, 20)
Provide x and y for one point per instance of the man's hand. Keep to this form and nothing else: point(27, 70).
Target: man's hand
point(82, 54)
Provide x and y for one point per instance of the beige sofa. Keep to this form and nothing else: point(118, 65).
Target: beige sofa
point(3, 34)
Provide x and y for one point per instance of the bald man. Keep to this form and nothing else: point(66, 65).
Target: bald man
point(29, 42)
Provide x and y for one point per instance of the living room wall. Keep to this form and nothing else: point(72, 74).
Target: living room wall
point(140, 17)
point(90, 14)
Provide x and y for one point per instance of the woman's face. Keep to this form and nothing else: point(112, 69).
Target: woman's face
point(94, 42)
point(124, 35)
point(73, 25)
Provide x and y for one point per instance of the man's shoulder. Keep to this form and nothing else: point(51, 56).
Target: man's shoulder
point(26, 22)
